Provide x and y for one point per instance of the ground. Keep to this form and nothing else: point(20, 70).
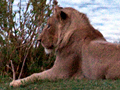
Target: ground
point(63, 85)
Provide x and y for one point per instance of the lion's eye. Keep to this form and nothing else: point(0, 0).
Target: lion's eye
point(48, 26)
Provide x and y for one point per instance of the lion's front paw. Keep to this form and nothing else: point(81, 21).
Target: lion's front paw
point(16, 83)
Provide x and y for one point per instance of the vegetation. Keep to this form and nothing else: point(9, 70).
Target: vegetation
point(64, 85)
point(19, 30)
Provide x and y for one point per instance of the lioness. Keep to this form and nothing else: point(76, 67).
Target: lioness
point(81, 51)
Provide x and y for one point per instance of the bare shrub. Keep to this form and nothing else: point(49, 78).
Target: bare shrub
point(18, 33)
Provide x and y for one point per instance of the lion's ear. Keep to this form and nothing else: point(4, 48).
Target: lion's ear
point(62, 15)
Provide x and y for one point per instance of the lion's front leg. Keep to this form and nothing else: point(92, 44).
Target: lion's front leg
point(37, 76)
point(16, 83)
point(19, 82)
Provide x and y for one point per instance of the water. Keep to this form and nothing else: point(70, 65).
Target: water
point(104, 15)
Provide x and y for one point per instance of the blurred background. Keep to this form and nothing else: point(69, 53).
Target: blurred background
point(21, 21)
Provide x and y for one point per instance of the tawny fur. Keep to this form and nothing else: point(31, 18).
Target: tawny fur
point(81, 51)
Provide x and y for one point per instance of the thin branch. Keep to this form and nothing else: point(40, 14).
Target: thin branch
point(24, 62)
point(55, 2)
point(8, 67)
point(13, 70)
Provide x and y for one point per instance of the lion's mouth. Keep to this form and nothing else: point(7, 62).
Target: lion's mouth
point(48, 49)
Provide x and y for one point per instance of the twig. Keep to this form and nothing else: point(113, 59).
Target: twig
point(55, 2)
point(23, 66)
point(24, 62)
point(13, 70)
point(8, 67)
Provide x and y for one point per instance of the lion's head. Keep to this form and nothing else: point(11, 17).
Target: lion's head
point(48, 37)
point(64, 24)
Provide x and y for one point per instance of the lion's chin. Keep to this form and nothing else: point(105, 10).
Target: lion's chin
point(47, 51)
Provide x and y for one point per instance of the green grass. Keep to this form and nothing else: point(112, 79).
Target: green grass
point(64, 85)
